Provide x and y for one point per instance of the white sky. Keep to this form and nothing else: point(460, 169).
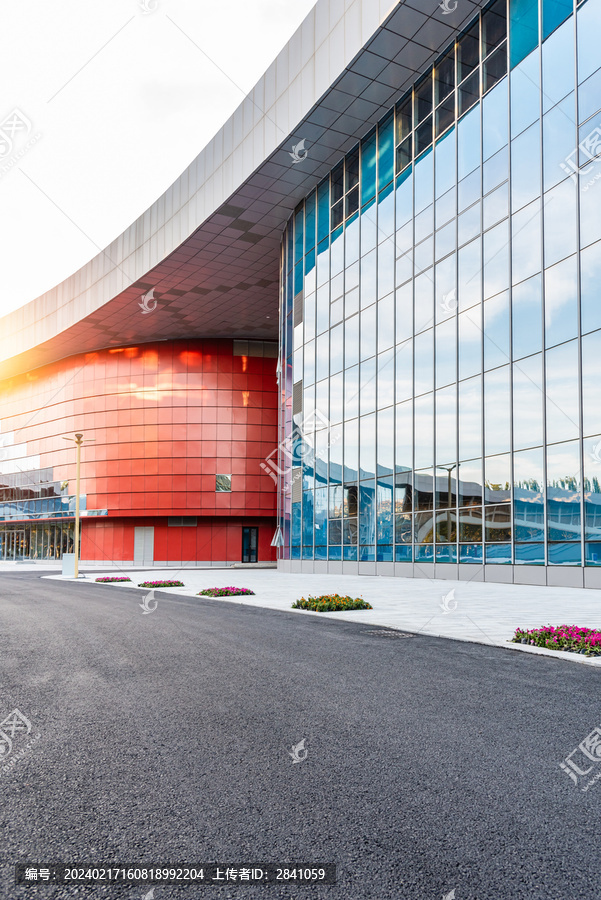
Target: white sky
point(122, 101)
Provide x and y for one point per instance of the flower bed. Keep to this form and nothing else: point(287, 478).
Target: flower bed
point(157, 584)
point(107, 579)
point(586, 641)
point(330, 603)
point(225, 592)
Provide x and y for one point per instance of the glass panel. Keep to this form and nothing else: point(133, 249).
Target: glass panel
point(468, 143)
point(561, 302)
point(525, 167)
point(424, 302)
point(367, 514)
point(367, 433)
point(368, 169)
point(445, 115)
point(404, 124)
point(386, 151)
point(495, 170)
point(562, 392)
point(498, 554)
point(589, 96)
point(528, 492)
point(497, 479)
point(497, 417)
point(523, 29)
point(468, 93)
point(424, 431)
point(528, 402)
point(323, 210)
point(558, 65)
point(470, 418)
point(470, 483)
point(496, 331)
point(498, 523)
point(385, 458)
point(494, 26)
point(559, 142)
point(446, 353)
point(470, 274)
point(424, 362)
point(560, 233)
point(592, 492)
point(445, 76)
point(527, 325)
point(468, 51)
point(495, 68)
point(525, 93)
point(470, 553)
point(554, 13)
point(424, 528)
point(470, 343)
point(404, 437)
point(496, 260)
point(565, 555)
point(591, 383)
point(526, 244)
point(470, 524)
point(384, 511)
point(588, 30)
point(494, 121)
point(590, 278)
point(529, 554)
point(446, 162)
point(563, 492)
point(423, 99)
point(446, 425)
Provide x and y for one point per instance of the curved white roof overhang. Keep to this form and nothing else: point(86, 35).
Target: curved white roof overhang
point(209, 246)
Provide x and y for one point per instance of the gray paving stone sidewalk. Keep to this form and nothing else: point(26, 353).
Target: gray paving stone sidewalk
point(472, 611)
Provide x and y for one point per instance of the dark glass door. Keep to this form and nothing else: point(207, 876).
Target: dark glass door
point(250, 542)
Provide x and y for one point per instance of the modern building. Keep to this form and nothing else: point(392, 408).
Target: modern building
point(416, 189)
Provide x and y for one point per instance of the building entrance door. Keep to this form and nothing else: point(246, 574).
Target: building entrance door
point(250, 543)
point(15, 545)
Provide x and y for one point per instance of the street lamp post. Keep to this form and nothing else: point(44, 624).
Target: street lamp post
point(448, 470)
point(78, 439)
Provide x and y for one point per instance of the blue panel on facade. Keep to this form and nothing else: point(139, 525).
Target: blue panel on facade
point(523, 29)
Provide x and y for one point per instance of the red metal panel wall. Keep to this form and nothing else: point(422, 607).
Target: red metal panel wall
point(165, 418)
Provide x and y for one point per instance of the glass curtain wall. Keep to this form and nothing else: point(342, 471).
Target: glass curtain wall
point(441, 342)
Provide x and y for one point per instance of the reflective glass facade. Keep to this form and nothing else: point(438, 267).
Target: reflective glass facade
point(440, 325)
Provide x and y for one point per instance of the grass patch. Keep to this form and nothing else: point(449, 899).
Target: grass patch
point(331, 603)
point(225, 592)
point(572, 638)
point(108, 579)
point(158, 584)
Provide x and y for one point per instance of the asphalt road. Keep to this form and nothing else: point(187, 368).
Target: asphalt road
point(432, 766)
